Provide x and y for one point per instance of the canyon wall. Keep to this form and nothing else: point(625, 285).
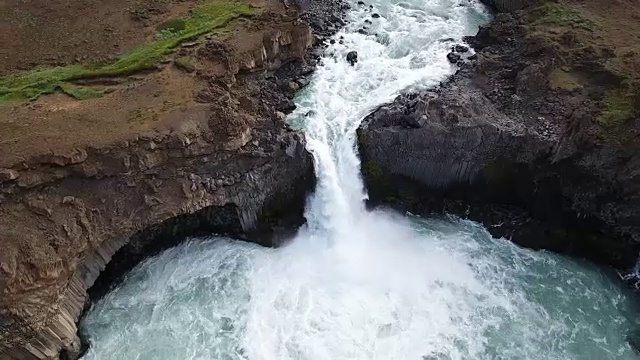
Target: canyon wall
point(196, 145)
point(534, 135)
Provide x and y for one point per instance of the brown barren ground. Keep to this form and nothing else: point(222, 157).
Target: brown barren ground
point(151, 101)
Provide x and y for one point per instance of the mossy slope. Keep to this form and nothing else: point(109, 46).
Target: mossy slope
point(201, 20)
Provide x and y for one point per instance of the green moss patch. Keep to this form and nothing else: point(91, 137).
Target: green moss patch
point(82, 92)
point(173, 25)
point(201, 20)
point(185, 64)
point(621, 105)
point(558, 15)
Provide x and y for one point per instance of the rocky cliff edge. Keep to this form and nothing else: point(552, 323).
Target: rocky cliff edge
point(184, 132)
point(536, 135)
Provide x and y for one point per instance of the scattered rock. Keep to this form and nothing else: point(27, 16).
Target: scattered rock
point(375, 15)
point(460, 49)
point(453, 57)
point(68, 200)
point(293, 86)
point(8, 175)
point(302, 82)
point(352, 57)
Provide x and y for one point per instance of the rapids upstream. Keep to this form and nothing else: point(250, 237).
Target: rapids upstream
point(356, 284)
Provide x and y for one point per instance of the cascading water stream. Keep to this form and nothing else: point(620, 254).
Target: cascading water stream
point(357, 284)
point(408, 49)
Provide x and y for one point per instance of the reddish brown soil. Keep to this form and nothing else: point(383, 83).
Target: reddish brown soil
point(59, 32)
point(618, 29)
point(144, 102)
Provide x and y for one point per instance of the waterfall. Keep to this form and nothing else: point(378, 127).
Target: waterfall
point(404, 46)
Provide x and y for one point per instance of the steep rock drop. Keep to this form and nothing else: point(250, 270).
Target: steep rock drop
point(524, 138)
point(356, 284)
point(176, 152)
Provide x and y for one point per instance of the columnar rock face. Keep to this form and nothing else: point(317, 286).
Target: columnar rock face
point(58, 238)
point(212, 154)
point(524, 139)
point(447, 137)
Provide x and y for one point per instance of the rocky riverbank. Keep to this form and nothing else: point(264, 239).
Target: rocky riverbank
point(195, 142)
point(535, 135)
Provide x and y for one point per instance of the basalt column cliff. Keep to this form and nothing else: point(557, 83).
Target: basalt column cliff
point(536, 135)
point(148, 122)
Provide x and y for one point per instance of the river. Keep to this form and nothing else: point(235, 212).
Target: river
point(358, 284)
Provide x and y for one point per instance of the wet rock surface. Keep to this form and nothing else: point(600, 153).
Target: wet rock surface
point(352, 57)
point(501, 143)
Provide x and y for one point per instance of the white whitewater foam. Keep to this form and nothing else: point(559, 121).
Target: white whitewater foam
point(364, 285)
point(407, 47)
point(403, 289)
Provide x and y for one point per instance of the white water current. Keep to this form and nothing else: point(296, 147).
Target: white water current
point(366, 285)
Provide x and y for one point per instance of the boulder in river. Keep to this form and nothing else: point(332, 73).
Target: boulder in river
point(461, 49)
point(352, 57)
point(453, 57)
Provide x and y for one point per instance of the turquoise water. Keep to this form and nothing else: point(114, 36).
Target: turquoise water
point(436, 289)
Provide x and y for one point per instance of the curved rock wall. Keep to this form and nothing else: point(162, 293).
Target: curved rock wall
point(58, 238)
point(227, 163)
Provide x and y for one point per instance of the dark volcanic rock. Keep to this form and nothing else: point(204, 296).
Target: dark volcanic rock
point(324, 17)
point(352, 57)
point(461, 49)
point(509, 5)
point(497, 143)
point(453, 57)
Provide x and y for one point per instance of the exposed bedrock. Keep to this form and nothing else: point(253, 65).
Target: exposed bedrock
point(86, 221)
point(499, 142)
point(225, 163)
point(451, 151)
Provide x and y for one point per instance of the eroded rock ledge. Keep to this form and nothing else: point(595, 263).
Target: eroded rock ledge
point(58, 235)
point(509, 142)
point(223, 161)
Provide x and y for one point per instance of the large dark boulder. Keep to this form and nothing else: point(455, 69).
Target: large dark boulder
point(352, 57)
point(509, 5)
